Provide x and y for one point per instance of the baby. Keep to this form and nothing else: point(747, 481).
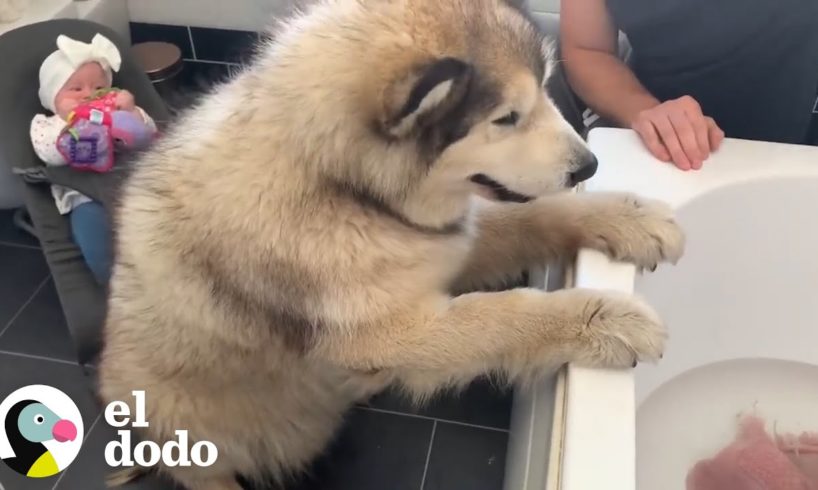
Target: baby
point(68, 77)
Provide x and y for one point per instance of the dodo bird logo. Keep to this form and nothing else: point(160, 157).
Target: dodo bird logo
point(41, 432)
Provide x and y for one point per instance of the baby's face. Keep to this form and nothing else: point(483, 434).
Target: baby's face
point(88, 78)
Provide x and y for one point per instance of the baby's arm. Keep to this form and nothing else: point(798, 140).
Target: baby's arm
point(44, 133)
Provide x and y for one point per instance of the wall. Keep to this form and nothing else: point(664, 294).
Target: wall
point(249, 15)
point(210, 54)
point(215, 36)
point(112, 13)
point(550, 6)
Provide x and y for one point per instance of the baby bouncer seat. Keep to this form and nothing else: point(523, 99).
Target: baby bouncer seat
point(22, 51)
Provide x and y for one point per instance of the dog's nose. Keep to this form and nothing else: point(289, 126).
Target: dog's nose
point(585, 170)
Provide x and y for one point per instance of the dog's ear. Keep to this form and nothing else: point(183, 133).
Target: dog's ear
point(425, 96)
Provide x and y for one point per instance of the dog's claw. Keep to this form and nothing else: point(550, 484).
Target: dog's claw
point(635, 363)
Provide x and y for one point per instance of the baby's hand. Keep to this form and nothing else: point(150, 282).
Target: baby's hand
point(125, 101)
point(65, 106)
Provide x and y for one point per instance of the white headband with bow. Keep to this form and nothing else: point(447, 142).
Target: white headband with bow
point(70, 55)
point(100, 49)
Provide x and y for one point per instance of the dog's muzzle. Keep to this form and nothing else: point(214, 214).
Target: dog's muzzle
point(586, 169)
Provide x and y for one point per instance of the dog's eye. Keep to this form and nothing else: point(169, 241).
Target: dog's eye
point(509, 119)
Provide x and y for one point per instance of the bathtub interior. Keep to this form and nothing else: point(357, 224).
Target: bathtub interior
point(747, 285)
point(742, 313)
point(695, 414)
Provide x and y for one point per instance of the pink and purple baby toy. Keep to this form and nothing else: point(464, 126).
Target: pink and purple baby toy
point(96, 129)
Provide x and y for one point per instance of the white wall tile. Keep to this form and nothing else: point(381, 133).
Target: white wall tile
point(251, 15)
point(112, 13)
point(239, 14)
point(552, 6)
point(548, 22)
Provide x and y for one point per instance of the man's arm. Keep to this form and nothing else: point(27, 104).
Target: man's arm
point(588, 41)
point(675, 130)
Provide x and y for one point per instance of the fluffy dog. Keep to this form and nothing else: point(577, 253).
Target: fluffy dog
point(297, 241)
point(11, 10)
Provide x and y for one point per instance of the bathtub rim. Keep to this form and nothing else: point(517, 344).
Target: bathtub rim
point(598, 447)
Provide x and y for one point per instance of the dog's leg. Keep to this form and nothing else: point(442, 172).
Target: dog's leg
point(516, 333)
point(514, 237)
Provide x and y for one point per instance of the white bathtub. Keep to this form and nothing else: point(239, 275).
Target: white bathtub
point(742, 312)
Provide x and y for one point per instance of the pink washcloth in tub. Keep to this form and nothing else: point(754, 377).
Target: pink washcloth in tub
point(757, 461)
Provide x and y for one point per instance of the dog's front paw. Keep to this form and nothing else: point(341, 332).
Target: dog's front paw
point(620, 331)
point(636, 230)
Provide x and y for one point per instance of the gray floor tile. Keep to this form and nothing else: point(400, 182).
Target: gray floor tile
point(466, 458)
point(482, 403)
point(22, 271)
point(16, 372)
point(40, 329)
point(88, 471)
point(11, 234)
point(375, 451)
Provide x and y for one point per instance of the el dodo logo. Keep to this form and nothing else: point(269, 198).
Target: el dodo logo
point(42, 431)
point(148, 453)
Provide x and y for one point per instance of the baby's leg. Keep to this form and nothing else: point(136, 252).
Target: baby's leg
point(91, 231)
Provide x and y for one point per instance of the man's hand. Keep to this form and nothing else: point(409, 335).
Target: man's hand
point(678, 131)
point(125, 101)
